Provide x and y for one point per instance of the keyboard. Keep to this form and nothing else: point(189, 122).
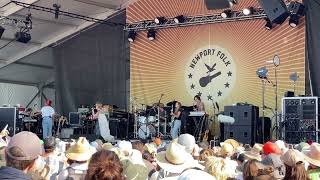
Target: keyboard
point(197, 113)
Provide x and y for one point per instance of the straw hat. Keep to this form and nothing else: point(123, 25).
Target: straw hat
point(175, 159)
point(136, 172)
point(226, 149)
point(235, 144)
point(313, 154)
point(254, 152)
point(302, 146)
point(125, 147)
point(151, 148)
point(292, 157)
point(107, 146)
point(81, 150)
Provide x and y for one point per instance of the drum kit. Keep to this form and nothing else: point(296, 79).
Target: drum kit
point(150, 121)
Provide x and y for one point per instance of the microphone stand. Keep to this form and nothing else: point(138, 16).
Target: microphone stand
point(159, 115)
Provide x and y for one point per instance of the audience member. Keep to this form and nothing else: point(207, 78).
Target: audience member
point(295, 169)
point(104, 164)
point(20, 154)
point(313, 157)
point(78, 156)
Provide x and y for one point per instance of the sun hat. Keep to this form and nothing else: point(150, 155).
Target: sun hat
point(271, 148)
point(136, 172)
point(107, 146)
point(292, 157)
point(136, 157)
point(302, 146)
point(226, 149)
point(235, 144)
point(175, 159)
point(188, 141)
point(28, 142)
point(125, 147)
point(191, 174)
point(254, 152)
point(151, 148)
point(281, 145)
point(313, 154)
point(81, 150)
point(274, 161)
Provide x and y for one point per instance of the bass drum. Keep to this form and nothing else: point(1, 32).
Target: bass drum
point(145, 132)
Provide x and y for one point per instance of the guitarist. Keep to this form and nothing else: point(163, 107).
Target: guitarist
point(176, 120)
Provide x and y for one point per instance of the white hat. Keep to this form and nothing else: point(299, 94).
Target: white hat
point(136, 157)
point(195, 174)
point(188, 141)
point(125, 147)
point(281, 145)
point(175, 159)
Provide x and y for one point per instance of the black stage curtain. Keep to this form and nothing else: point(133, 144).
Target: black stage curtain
point(313, 44)
point(93, 66)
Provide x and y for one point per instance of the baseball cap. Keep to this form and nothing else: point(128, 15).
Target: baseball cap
point(28, 143)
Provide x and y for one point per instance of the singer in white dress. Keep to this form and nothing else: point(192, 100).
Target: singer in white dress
point(102, 115)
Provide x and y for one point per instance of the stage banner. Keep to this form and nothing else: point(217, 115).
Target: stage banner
point(216, 61)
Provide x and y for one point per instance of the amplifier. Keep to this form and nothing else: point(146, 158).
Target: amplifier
point(9, 115)
point(300, 119)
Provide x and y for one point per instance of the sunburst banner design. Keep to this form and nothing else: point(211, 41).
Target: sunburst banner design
point(217, 61)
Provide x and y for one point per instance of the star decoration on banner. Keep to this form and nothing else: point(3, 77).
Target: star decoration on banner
point(209, 97)
point(227, 85)
point(199, 94)
point(192, 86)
point(190, 76)
point(219, 93)
point(229, 73)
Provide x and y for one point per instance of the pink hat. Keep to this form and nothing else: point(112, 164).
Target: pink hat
point(28, 143)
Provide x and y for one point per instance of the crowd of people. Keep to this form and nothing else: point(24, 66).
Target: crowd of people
point(25, 156)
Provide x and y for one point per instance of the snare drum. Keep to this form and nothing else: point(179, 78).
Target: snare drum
point(146, 131)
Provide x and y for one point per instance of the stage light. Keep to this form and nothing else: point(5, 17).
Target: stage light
point(226, 13)
point(268, 25)
point(160, 20)
point(179, 19)
point(233, 2)
point(262, 73)
point(151, 34)
point(294, 20)
point(248, 11)
point(131, 36)
point(1, 31)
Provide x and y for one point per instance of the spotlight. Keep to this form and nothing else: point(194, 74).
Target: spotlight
point(233, 2)
point(248, 11)
point(1, 31)
point(131, 36)
point(294, 20)
point(226, 13)
point(56, 10)
point(179, 19)
point(151, 34)
point(262, 73)
point(23, 37)
point(160, 20)
point(268, 25)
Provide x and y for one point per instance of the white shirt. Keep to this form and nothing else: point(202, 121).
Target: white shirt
point(47, 111)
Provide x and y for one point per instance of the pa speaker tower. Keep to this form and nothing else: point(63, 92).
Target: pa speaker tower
point(276, 10)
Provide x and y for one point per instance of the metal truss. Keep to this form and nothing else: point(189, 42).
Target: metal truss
point(195, 20)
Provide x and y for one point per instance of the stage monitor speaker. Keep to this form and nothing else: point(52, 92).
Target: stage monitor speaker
point(217, 4)
point(244, 129)
point(276, 10)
